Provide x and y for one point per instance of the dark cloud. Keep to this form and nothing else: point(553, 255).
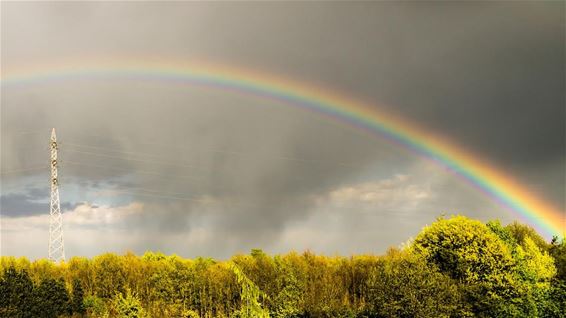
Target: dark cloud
point(489, 76)
point(34, 201)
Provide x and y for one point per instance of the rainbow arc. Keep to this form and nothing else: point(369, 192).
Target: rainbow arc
point(501, 187)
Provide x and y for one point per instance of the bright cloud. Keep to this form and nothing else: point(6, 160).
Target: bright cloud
point(398, 191)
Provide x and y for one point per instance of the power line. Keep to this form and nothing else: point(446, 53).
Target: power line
point(159, 162)
point(139, 158)
point(29, 132)
point(168, 197)
point(164, 195)
point(149, 158)
point(43, 167)
point(157, 192)
point(130, 170)
point(224, 151)
point(131, 159)
point(235, 153)
point(112, 150)
point(229, 152)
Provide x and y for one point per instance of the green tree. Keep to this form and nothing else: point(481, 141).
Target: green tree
point(128, 306)
point(95, 307)
point(404, 285)
point(288, 302)
point(16, 293)
point(521, 231)
point(557, 294)
point(558, 251)
point(468, 251)
point(250, 295)
point(77, 299)
point(50, 299)
point(110, 275)
point(556, 303)
point(456, 267)
point(82, 269)
point(534, 267)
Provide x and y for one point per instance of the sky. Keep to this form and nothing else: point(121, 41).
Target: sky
point(197, 171)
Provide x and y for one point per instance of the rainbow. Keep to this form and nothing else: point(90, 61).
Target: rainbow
point(500, 187)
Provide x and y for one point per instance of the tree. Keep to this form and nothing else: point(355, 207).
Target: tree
point(250, 295)
point(77, 299)
point(16, 293)
point(556, 302)
point(468, 251)
point(288, 301)
point(521, 231)
point(534, 267)
point(557, 294)
point(128, 306)
point(110, 275)
point(95, 307)
point(50, 299)
point(404, 285)
point(558, 251)
point(82, 269)
point(456, 267)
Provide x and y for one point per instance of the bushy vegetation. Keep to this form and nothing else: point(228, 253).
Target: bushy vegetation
point(456, 267)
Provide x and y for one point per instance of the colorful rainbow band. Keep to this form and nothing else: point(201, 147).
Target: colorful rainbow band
point(500, 187)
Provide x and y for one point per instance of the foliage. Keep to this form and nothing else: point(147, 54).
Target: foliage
point(558, 251)
point(502, 270)
point(464, 249)
point(77, 305)
point(16, 292)
point(249, 295)
point(95, 307)
point(520, 232)
point(455, 267)
point(110, 275)
point(404, 285)
point(50, 299)
point(188, 313)
point(556, 301)
point(127, 306)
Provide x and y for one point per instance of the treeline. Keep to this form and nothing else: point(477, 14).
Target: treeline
point(456, 267)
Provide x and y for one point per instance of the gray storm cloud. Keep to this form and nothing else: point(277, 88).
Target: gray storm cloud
point(488, 75)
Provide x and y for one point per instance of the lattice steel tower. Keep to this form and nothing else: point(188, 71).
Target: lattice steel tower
point(56, 245)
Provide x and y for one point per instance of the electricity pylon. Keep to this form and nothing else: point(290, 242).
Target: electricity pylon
point(56, 245)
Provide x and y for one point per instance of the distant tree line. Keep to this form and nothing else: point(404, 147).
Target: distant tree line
point(456, 267)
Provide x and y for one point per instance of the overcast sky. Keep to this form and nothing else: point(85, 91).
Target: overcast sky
point(198, 171)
